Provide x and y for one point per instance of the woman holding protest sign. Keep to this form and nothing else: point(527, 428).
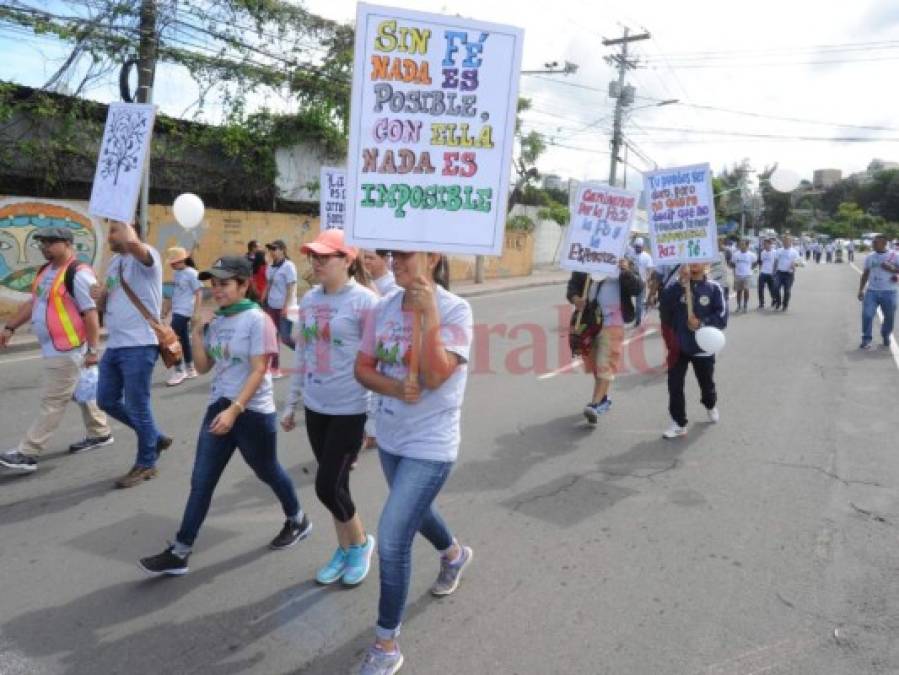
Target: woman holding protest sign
point(415, 354)
point(236, 345)
point(597, 329)
point(331, 319)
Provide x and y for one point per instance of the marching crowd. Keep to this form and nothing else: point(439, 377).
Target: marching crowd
point(393, 345)
point(381, 348)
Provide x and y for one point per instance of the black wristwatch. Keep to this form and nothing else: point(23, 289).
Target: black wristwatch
point(9, 328)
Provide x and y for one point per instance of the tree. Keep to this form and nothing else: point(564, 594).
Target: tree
point(777, 204)
point(236, 46)
point(531, 145)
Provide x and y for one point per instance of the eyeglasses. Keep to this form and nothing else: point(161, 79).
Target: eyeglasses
point(323, 258)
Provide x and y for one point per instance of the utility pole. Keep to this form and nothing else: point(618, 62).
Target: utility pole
point(623, 95)
point(146, 71)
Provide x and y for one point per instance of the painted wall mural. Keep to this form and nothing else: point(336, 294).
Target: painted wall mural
point(20, 255)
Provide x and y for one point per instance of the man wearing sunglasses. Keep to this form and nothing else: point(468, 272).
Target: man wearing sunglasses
point(65, 321)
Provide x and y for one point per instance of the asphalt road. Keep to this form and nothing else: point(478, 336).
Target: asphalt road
point(764, 544)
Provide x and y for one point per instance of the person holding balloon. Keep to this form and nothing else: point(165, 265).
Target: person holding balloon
point(693, 313)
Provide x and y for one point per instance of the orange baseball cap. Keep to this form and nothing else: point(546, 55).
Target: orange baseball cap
point(330, 242)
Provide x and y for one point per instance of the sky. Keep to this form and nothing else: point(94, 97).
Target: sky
point(831, 68)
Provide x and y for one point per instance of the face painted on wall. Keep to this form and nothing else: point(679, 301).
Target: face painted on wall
point(20, 254)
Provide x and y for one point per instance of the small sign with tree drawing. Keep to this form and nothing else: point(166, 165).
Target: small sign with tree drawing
point(122, 157)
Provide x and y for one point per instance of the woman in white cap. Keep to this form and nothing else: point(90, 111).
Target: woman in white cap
point(237, 346)
point(422, 386)
point(331, 321)
point(187, 293)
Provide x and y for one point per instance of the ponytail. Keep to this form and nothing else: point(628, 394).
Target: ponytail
point(358, 272)
point(442, 273)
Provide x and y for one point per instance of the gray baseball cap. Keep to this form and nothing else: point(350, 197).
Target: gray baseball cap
point(228, 267)
point(63, 233)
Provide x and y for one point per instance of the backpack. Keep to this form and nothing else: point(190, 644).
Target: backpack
point(69, 280)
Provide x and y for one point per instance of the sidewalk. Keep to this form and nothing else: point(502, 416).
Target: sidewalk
point(24, 340)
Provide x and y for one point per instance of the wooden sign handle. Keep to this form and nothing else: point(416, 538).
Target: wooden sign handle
point(417, 319)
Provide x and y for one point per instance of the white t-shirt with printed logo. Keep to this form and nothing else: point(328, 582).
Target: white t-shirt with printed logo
point(231, 341)
point(330, 329)
point(279, 278)
point(743, 263)
point(84, 279)
point(785, 258)
point(184, 295)
point(125, 325)
point(430, 428)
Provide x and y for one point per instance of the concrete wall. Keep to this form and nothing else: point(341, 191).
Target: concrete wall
point(222, 233)
point(546, 236)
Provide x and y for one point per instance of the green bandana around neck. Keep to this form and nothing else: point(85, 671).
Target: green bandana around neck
point(236, 308)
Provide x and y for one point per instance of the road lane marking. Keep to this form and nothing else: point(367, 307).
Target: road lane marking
point(18, 359)
point(894, 348)
point(578, 361)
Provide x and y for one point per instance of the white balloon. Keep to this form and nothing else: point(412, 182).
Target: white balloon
point(188, 210)
point(710, 339)
point(785, 180)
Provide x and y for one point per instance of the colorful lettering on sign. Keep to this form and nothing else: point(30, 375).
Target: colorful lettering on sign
point(405, 40)
point(457, 136)
point(387, 162)
point(399, 70)
point(443, 197)
point(430, 102)
point(397, 131)
point(473, 50)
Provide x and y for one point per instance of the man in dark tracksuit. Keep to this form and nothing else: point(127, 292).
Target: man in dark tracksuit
point(679, 332)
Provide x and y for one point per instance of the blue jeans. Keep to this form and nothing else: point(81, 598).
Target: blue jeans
point(886, 300)
point(783, 285)
point(181, 326)
point(123, 392)
point(255, 434)
point(414, 484)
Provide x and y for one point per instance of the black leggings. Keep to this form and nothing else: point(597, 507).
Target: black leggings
point(335, 441)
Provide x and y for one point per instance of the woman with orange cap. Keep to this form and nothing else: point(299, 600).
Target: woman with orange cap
point(332, 317)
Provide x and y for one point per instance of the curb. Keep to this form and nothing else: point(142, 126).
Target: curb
point(477, 292)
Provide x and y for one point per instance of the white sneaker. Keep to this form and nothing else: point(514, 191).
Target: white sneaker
point(191, 373)
point(177, 378)
point(714, 416)
point(674, 431)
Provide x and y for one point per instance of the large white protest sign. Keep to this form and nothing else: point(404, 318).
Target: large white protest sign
point(432, 128)
point(600, 224)
point(120, 164)
point(332, 198)
point(681, 207)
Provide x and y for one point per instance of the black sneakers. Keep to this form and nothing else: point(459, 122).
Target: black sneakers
point(291, 533)
point(165, 563)
point(90, 443)
point(18, 462)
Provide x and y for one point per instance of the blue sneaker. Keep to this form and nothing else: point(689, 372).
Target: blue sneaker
point(358, 562)
point(334, 569)
point(379, 662)
point(603, 406)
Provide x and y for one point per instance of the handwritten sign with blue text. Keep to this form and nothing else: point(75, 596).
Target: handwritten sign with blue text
point(681, 207)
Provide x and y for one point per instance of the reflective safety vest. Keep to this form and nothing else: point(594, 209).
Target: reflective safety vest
point(64, 322)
